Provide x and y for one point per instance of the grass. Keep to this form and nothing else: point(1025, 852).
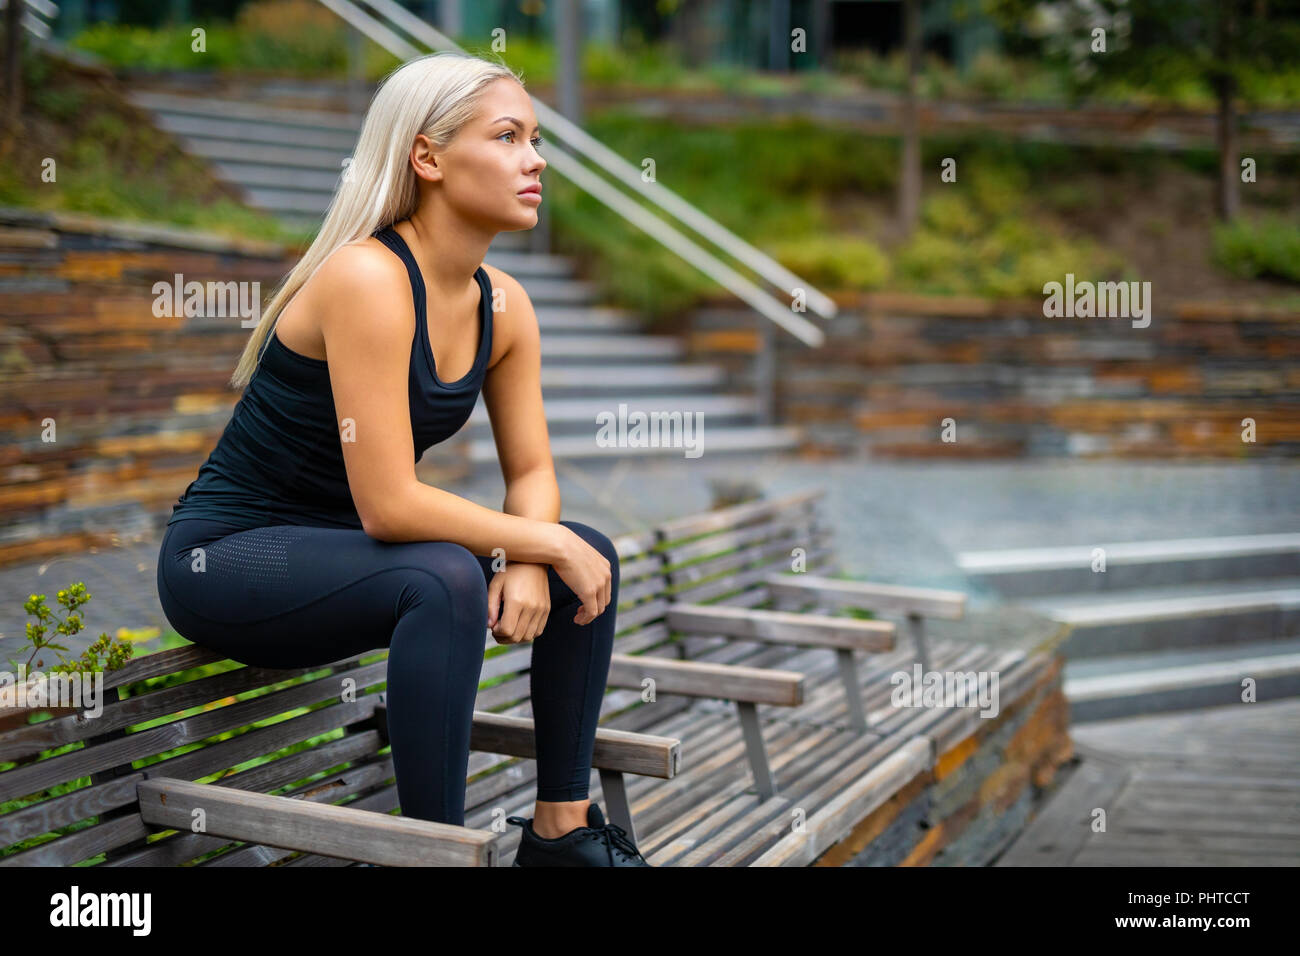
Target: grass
point(83, 149)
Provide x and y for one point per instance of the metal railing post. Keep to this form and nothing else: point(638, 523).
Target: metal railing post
point(765, 372)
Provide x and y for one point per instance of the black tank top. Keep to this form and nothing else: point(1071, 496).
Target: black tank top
point(280, 458)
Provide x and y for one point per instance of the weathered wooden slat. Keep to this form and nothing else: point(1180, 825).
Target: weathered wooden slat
point(634, 543)
point(194, 764)
point(647, 637)
point(863, 792)
point(361, 748)
point(639, 590)
point(316, 828)
point(146, 743)
point(755, 566)
point(49, 734)
point(726, 518)
point(645, 613)
point(801, 755)
point(630, 569)
point(777, 526)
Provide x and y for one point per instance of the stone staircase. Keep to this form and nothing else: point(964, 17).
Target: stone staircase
point(1169, 625)
point(287, 159)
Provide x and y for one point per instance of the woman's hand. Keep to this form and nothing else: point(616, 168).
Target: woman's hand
point(527, 597)
point(587, 573)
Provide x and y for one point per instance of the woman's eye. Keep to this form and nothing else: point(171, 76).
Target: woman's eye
point(537, 142)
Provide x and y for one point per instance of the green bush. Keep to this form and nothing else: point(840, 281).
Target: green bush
point(297, 37)
point(1268, 247)
point(951, 214)
point(838, 262)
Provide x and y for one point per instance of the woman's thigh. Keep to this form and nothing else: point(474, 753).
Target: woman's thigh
point(295, 596)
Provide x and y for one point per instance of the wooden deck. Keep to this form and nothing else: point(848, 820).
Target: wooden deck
point(1214, 787)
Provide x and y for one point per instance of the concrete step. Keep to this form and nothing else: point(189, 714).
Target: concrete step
point(284, 155)
point(224, 110)
point(233, 130)
point(276, 178)
point(721, 440)
point(1030, 572)
point(559, 291)
point(605, 348)
point(524, 265)
point(289, 202)
point(1196, 615)
point(569, 413)
point(1127, 684)
point(566, 381)
point(554, 318)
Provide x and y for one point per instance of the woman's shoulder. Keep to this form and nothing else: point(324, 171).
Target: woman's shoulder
point(363, 277)
point(355, 278)
point(360, 266)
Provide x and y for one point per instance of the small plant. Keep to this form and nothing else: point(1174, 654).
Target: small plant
point(115, 653)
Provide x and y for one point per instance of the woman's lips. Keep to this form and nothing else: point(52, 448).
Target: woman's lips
point(530, 196)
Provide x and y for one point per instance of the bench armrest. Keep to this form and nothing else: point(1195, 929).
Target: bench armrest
point(930, 602)
point(782, 627)
point(616, 751)
point(755, 685)
point(298, 824)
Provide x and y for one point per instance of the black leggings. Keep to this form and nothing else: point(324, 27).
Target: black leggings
point(293, 596)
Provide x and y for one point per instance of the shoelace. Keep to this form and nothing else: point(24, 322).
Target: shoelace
point(617, 839)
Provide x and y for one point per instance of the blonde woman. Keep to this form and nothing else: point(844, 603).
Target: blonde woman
point(306, 536)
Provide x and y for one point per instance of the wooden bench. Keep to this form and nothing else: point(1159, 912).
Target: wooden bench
point(834, 765)
point(692, 639)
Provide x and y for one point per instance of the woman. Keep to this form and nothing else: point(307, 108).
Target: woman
point(307, 538)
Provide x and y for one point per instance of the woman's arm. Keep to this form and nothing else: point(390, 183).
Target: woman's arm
point(368, 324)
point(512, 393)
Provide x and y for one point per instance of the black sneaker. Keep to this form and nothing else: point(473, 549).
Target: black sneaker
point(597, 844)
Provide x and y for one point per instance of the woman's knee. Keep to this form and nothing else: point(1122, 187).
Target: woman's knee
point(443, 570)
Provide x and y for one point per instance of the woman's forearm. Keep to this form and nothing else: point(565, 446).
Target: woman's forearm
point(534, 495)
point(426, 513)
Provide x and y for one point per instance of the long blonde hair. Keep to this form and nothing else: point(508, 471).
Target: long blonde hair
point(435, 94)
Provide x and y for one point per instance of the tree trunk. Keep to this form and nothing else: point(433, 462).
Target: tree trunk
point(1229, 193)
point(909, 181)
point(13, 67)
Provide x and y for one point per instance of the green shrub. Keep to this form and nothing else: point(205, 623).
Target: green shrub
point(1268, 247)
point(836, 262)
point(950, 213)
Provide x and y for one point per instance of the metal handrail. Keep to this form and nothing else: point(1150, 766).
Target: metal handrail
point(33, 23)
point(617, 167)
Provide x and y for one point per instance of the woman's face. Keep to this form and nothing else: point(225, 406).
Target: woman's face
point(490, 162)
